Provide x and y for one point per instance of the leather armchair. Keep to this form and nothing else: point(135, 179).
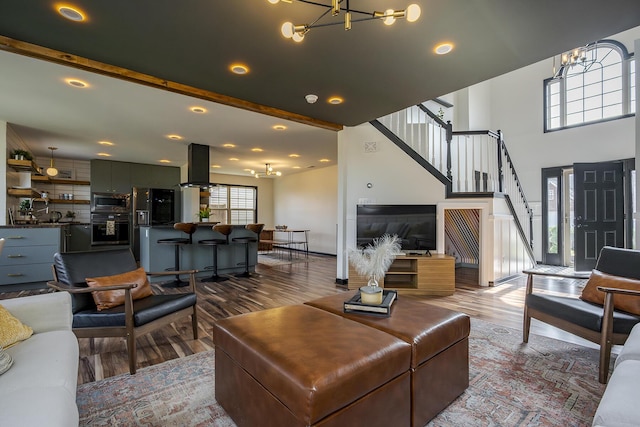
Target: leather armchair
point(601, 324)
point(135, 317)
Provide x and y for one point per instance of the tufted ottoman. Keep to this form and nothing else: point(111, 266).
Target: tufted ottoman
point(301, 366)
point(440, 349)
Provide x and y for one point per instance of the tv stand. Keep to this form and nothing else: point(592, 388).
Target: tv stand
point(428, 274)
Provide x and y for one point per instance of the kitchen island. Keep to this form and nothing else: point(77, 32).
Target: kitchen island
point(156, 257)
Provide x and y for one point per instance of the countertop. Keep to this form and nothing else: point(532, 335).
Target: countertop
point(44, 225)
point(199, 224)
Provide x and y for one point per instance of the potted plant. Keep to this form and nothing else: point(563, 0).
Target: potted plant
point(19, 154)
point(204, 213)
point(373, 262)
point(24, 206)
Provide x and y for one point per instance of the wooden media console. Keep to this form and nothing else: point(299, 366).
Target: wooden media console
point(428, 275)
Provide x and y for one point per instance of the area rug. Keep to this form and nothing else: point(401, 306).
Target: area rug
point(544, 383)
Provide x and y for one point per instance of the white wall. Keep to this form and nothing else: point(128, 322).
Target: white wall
point(394, 177)
point(4, 153)
point(514, 102)
point(308, 201)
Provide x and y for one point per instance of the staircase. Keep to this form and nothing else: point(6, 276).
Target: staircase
point(470, 164)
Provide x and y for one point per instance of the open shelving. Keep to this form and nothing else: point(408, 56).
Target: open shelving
point(429, 275)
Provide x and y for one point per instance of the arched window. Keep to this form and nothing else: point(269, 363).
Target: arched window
point(600, 88)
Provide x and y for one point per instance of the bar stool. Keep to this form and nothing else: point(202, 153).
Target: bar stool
point(225, 230)
point(186, 227)
point(257, 229)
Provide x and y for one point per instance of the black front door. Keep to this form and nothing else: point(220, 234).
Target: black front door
point(599, 210)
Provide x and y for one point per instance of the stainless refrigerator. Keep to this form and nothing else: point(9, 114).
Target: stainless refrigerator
point(150, 206)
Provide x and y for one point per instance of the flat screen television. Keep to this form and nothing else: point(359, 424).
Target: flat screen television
point(415, 225)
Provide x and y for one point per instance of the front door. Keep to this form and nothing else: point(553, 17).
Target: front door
point(599, 210)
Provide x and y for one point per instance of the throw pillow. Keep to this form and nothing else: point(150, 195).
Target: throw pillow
point(628, 303)
point(109, 299)
point(12, 330)
point(5, 361)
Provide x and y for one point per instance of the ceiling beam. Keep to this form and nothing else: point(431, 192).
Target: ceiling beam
point(58, 57)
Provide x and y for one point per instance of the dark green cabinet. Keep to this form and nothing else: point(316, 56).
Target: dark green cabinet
point(79, 238)
point(118, 177)
point(110, 177)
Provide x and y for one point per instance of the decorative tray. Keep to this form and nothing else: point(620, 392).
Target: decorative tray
point(354, 304)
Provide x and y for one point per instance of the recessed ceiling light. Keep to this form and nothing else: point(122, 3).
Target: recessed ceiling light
point(279, 127)
point(296, 167)
point(229, 145)
point(216, 166)
point(294, 155)
point(335, 100)
point(257, 150)
point(239, 69)
point(109, 143)
point(164, 161)
point(198, 110)
point(72, 13)
point(104, 154)
point(324, 160)
point(76, 83)
point(174, 137)
point(443, 48)
point(234, 159)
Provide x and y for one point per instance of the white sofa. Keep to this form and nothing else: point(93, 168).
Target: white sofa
point(40, 388)
point(619, 404)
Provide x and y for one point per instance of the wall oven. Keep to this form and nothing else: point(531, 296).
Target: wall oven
point(109, 228)
point(110, 202)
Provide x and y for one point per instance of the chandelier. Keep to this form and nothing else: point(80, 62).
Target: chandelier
point(389, 16)
point(584, 56)
point(268, 171)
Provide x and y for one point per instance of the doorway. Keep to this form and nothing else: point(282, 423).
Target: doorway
point(462, 241)
point(584, 207)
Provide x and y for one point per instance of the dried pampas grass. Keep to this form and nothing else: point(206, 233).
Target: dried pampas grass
point(374, 260)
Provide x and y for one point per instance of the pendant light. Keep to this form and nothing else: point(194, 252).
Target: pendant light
point(51, 170)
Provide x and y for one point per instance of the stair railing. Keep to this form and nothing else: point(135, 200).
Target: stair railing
point(470, 163)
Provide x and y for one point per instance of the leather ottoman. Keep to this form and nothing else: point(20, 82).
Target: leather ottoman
point(440, 349)
point(301, 366)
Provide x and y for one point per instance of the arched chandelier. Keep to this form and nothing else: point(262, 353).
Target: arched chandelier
point(389, 16)
point(268, 171)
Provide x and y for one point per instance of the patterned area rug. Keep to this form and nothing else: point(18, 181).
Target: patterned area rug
point(544, 383)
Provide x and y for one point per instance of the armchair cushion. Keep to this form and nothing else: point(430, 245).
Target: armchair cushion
point(73, 268)
point(628, 303)
point(579, 312)
point(113, 298)
point(12, 330)
point(145, 311)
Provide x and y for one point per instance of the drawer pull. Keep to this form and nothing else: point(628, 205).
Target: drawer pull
point(15, 274)
point(15, 256)
point(15, 237)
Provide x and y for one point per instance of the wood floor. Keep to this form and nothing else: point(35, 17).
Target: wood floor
point(274, 286)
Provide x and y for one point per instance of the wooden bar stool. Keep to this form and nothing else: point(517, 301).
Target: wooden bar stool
point(177, 242)
point(225, 230)
point(257, 229)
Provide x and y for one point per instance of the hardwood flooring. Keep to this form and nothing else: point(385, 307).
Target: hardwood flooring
point(278, 285)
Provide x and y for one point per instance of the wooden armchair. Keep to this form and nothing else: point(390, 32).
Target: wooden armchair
point(599, 323)
point(130, 320)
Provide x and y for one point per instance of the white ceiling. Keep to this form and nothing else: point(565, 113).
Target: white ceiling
point(45, 111)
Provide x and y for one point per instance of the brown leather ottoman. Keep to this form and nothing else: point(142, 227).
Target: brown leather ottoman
point(440, 349)
point(301, 366)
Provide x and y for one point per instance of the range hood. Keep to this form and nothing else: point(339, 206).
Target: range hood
point(197, 166)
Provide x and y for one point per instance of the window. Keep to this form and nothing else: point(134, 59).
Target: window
point(233, 204)
point(602, 88)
